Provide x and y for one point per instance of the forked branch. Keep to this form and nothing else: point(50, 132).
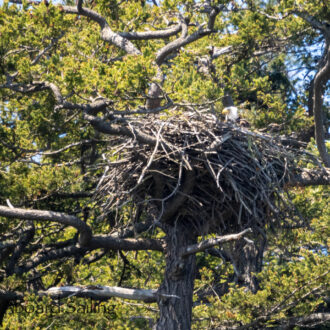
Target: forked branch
point(86, 238)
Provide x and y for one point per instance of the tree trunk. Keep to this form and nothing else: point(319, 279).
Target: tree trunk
point(3, 308)
point(320, 80)
point(155, 91)
point(247, 261)
point(310, 98)
point(175, 312)
point(154, 97)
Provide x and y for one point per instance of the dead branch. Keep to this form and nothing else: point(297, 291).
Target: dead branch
point(37, 215)
point(100, 292)
point(96, 292)
point(106, 33)
point(202, 246)
point(125, 244)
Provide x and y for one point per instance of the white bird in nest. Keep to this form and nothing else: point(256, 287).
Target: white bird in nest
point(231, 113)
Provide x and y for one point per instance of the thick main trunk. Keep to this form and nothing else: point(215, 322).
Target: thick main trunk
point(175, 311)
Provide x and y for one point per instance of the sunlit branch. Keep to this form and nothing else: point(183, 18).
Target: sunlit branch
point(106, 33)
point(100, 292)
point(204, 245)
point(148, 35)
point(37, 215)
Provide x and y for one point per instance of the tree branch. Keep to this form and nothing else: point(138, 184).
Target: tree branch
point(91, 110)
point(202, 246)
point(311, 320)
point(63, 218)
point(105, 127)
point(99, 292)
point(307, 177)
point(127, 244)
point(187, 39)
point(316, 24)
point(19, 249)
point(106, 33)
point(66, 252)
point(148, 35)
point(320, 80)
point(178, 43)
point(98, 242)
point(96, 292)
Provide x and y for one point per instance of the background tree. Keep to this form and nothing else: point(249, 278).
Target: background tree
point(77, 82)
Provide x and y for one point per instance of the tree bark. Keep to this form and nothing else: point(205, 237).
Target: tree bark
point(3, 309)
point(247, 261)
point(320, 81)
point(310, 98)
point(175, 312)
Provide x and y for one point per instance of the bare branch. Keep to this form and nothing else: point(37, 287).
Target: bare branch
point(106, 33)
point(69, 146)
point(24, 88)
point(213, 15)
point(37, 215)
point(217, 52)
point(178, 43)
point(100, 292)
point(127, 244)
point(131, 230)
point(202, 246)
point(96, 292)
point(148, 35)
point(186, 39)
point(309, 177)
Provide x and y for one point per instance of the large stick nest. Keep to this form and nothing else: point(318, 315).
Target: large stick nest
point(214, 176)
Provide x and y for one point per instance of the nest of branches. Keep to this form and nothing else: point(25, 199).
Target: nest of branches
point(213, 176)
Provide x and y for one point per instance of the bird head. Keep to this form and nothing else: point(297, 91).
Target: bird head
point(231, 113)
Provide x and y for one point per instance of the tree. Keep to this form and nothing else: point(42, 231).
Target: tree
point(111, 125)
